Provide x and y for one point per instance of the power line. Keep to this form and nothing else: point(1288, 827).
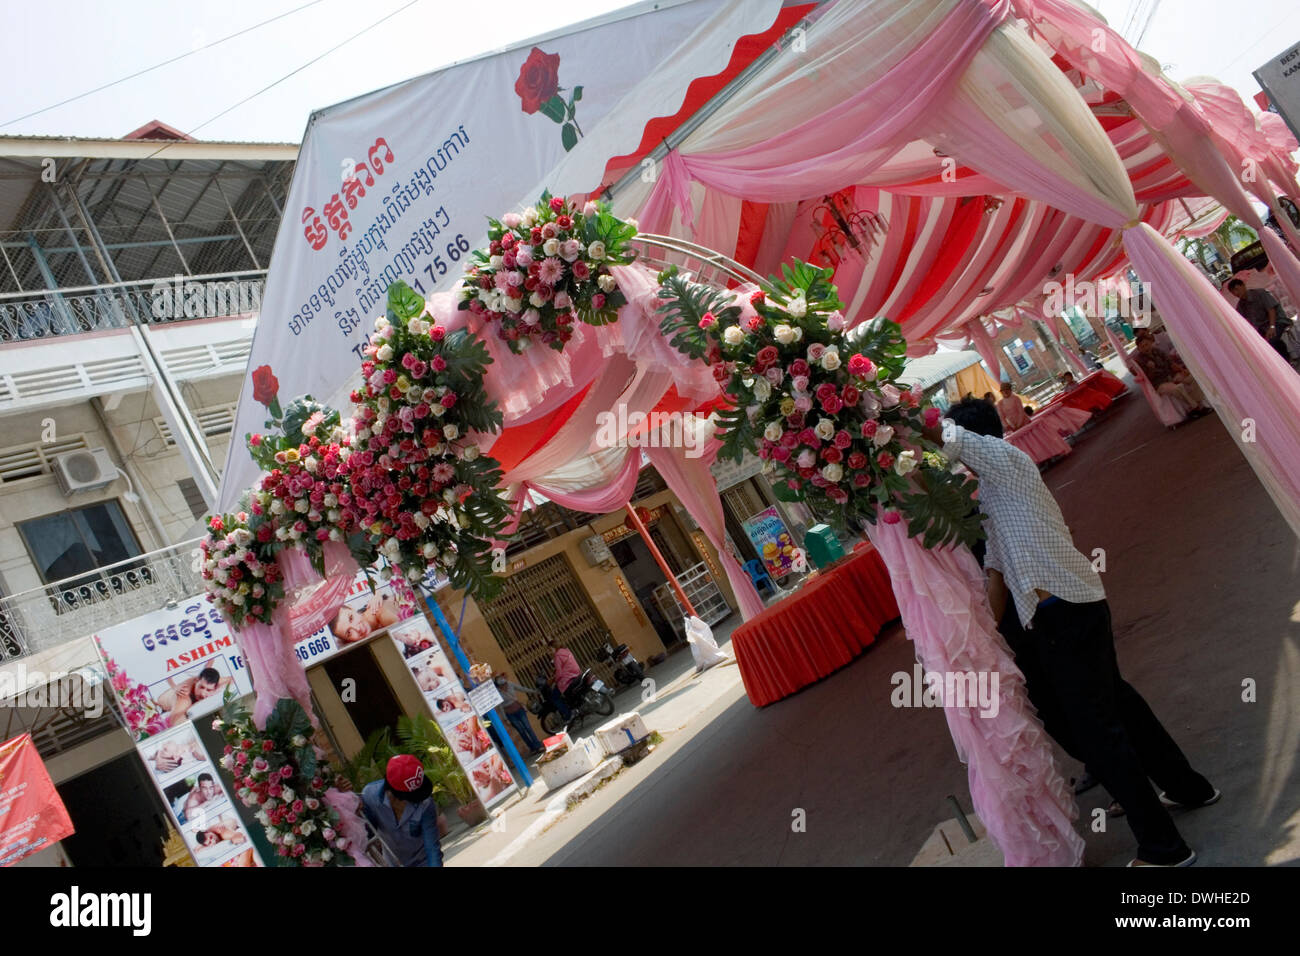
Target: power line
point(269, 86)
point(156, 66)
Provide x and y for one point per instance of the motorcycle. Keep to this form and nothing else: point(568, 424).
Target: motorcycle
point(627, 669)
point(586, 696)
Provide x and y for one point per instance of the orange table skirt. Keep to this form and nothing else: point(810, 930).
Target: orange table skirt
point(817, 630)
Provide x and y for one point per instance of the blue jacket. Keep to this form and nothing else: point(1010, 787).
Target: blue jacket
point(413, 838)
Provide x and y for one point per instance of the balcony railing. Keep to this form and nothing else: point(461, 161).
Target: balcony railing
point(46, 617)
point(73, 311)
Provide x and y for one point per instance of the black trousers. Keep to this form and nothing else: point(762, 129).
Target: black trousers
point(1072, 678)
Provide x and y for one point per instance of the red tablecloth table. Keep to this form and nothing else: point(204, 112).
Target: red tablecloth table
point(815, 631)
point(1105, 381)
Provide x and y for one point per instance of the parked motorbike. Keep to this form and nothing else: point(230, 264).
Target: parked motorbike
point(586, 696)
point(627, 669)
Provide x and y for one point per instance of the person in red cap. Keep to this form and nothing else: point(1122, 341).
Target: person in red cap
point(402, 810)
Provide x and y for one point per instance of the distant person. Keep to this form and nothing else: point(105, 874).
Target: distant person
point(1168, 376)
point(1261, 309)
point(402, 811)
point(988, 397)
point(566, 666)
point(517, 713)
point(1011, 409)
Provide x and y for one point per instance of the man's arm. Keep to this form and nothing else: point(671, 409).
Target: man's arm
point(988, 456)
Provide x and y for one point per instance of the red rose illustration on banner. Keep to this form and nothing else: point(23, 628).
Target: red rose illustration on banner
point(539, 91)
point(266, 388)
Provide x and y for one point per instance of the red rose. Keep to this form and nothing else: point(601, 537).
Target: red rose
point(755, 323)
point(857, 461)
point(267, 746)
point(885, 460)
point(557, 204)
point(756, 298)
point(767, 355)
point(265, 385)
point(539, 78)
point(832, 454)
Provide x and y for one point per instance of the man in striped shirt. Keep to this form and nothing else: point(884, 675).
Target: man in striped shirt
point(1058, 624)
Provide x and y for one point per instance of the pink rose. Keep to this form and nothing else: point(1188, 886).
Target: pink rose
point(860, 366)
point(781, 453)
point(581, 271)
point(816, 351)
point(800, 383)
point(891, 517)
point(790, 439)
point(803, 403)
point(837, 495)
point(774, 375)
point(598, 301)
point(932, 416)
point(868, 428)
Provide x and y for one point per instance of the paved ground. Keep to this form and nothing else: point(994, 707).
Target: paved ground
point(1203, 579)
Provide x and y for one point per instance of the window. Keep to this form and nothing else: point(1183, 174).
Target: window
point(76, 542)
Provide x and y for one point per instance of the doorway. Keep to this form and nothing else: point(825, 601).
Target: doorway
point(118, 815)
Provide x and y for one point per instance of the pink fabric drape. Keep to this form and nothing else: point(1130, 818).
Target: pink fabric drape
point(1015, 786)
point(985, 345)
point(348, 807)
point(692, 482)
point(276, 671)
point(1256, 393)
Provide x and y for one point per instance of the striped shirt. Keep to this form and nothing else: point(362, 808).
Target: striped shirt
point(1027, 538)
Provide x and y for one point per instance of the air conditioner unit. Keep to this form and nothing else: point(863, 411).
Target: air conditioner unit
point(87, 469)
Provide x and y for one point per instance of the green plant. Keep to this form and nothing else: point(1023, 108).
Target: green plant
point(420, 737)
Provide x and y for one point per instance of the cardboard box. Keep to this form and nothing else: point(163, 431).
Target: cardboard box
point(621, 733)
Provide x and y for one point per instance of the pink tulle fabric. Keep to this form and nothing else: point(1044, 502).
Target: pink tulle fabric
point(276, 671)
point(1015, 786)
point(350, 825)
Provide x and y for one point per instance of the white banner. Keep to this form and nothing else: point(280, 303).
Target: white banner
point(398, 184)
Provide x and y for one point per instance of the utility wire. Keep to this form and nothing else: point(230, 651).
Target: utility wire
point(295, 72)
point(157, 66)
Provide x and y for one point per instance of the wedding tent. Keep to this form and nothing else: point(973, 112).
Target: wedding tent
point(988, 148)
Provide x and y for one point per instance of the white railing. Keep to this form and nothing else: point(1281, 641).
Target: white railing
point(72, 311)
point(46, 617)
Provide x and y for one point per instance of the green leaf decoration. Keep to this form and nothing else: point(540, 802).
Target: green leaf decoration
point(568, 136)
point(403, 301)
point(941, 510)
point(554, 108)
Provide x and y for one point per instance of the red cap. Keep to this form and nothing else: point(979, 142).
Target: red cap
point(405, 773)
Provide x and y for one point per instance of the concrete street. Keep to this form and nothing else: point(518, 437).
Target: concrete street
point(1203, 578)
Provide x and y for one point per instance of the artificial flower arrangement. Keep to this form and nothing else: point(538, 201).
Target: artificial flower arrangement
point(820, 403)
point(138, 706)
point(420, 488)
point(239, 572)
point(277, 772)
point(300, 499)
point(546, 269)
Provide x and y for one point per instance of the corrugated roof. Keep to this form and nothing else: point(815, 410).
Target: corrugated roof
point(927, 370)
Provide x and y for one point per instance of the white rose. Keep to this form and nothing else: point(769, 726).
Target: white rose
point(536, 301)
point(783, 334)
point(385, 354)
point(906, 462)
point(807, 458)
point(551, 247)
point(495, 262)
point(733, 335)
point(326, 856)
point(798, 306)
point(773, 431)
point(606, 282)
point(884, 435)
point(450, 432)
point(831, 360)
point(825, 429)
point(306, 827)
point(430, 550)
point(833, 472)
point(381, 323)
point(470, 453)
point(596, 250)
point(277, 507)
point(437, 410)
point(530, 217)
point(762, 390)
point(798, 334)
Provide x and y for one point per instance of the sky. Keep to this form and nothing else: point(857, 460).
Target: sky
point(55, 51)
